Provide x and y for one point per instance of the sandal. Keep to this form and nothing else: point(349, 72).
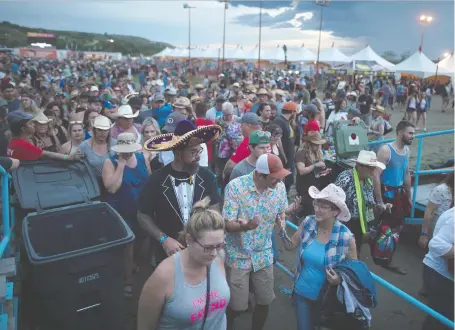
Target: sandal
point(128, 291)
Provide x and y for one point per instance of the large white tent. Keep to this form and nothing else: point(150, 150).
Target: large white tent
point(368, 54)
point(333, 56)
point(420, 65)
point(301, 54)
point(448, 63)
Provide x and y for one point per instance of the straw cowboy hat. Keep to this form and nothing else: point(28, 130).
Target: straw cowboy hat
point(125, 111)
point(262, 91)
point(181, 102)
point(379, 108)
point(368, 158)
point(334, 195)
point(41, 118)
point(280, 92)
point(126, 143)
point(198, 86)
point(74, 94)
point(314, 137)
point(102, 122)
point(185, 134)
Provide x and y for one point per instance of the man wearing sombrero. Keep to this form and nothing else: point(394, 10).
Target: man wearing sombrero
point(166, 201)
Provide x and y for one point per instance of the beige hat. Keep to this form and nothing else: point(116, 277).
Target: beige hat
point(334, 195)
point(236, 84)
point(199, 86)
point(262, 91)
point(94, 89)
point(125, 111)
point(41, 118)
point(74, 94)
point(181, 102)
point(280, 92)
point(195, 98)
point(126, 143)
point(378, 108)
point(102, 122)
point(368, 158)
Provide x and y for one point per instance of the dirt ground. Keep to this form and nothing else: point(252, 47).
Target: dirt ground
point(392, 311)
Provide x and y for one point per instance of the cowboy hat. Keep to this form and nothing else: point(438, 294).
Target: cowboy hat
point(126, 143)
point(334, 195)
point(368, 158)
point(199, 86)
point(262, 91)
point(379, 108)
point(182, 102)
point(41, 118)
point(125, 111)
point(314, 137)
point(280, 92)
point(185, 134)
point(102, 122)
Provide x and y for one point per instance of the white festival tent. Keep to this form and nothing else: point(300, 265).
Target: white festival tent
point(301, 54)
point(420, 65)
point(448, 63)
point(333, 56)
point(368, 54)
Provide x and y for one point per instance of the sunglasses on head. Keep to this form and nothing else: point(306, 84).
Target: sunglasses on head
point(75, 122)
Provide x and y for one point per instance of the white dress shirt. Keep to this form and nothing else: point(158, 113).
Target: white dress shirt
point(184, 193)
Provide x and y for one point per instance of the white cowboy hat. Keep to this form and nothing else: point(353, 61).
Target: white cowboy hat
point(368, 158)
point(334, 195)
point(102, 122)
point(41, 118)
point(159, 82)
point(126, 143)
point(125, 111)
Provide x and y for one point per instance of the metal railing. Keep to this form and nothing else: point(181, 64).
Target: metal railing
point(7, 228)
point(388, 286)
point(417, 173)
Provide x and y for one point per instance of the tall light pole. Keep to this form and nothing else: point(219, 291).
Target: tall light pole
point(226, 6)
point(322, 4)
point(260, 35)
point(187, 6)
point(424, 20)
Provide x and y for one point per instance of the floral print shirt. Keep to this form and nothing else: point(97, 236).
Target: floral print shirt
point(253, 248)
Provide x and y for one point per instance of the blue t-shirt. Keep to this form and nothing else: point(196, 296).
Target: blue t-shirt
point(312, 276)
point(162, 113)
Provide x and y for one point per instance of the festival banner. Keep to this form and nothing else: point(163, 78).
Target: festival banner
point(49, 54)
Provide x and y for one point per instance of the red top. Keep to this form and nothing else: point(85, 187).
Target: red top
point(242, 151)
point(23, 150)
point(312, 125)
point(205, 122)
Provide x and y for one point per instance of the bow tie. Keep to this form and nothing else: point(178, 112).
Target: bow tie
point(177, 182)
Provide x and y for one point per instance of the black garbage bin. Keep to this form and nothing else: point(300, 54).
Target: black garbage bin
point(74, 265)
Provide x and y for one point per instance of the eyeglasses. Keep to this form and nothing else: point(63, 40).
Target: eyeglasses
point(195, 153)
point(321, 206)
point(209, 249)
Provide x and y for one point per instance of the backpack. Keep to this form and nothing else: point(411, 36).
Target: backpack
point(383, 244)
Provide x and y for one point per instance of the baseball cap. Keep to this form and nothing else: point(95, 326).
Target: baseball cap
point(171, 91)
point(17, 117)
point(259, 137)
point(94, 89)
point(220, 99)
point(172, 120)
point(272, 166)
point(250, 118)
point(311, 108)
point(290, 106)
point(158, 97)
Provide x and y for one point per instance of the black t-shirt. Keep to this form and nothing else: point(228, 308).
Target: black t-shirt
point(365, 102)
point(287, 139)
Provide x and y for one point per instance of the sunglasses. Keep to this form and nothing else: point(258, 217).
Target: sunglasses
point(264, 136)
point(75, 122)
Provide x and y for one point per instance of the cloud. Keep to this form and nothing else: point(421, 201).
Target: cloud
point(351, 25)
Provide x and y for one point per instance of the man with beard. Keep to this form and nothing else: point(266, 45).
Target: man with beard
point(393, 184)
point(166, 201)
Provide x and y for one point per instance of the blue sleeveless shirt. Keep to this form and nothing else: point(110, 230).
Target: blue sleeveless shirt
point(395, 171)
point(125, 200)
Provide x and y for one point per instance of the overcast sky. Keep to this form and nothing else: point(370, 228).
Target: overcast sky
point(385, 25)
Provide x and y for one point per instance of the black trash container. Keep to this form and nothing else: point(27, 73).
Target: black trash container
point(73, 260)
point(75, 267)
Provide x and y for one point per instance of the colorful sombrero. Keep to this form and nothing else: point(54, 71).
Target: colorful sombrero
point(186, 134)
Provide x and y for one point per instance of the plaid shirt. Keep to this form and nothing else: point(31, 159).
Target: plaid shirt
point(336, 249)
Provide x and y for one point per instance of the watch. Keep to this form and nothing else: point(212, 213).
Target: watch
point(423, 234)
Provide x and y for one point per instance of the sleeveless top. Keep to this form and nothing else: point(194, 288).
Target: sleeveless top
point(125, 200)
point(185, 309)
point(395, 171)
point(52, 148)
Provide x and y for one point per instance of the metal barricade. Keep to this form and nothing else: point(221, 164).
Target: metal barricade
point(386, 285)
point(7, 228)
point(418, 172)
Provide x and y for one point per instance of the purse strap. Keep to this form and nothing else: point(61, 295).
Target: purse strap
point(207, 299)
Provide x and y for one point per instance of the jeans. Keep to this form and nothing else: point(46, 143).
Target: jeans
point(305, 310)
point(429, 102)
point(440, 297)
point(276, 254)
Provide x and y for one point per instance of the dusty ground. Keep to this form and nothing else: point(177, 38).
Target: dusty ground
point(392, 312)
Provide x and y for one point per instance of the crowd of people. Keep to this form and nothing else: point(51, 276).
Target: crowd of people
point(202, 175)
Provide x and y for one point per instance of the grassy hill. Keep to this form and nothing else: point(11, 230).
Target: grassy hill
point(12, 35)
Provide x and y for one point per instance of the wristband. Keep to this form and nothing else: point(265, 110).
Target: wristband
point(423, 234)
point(65, 157)
point(163, 238)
